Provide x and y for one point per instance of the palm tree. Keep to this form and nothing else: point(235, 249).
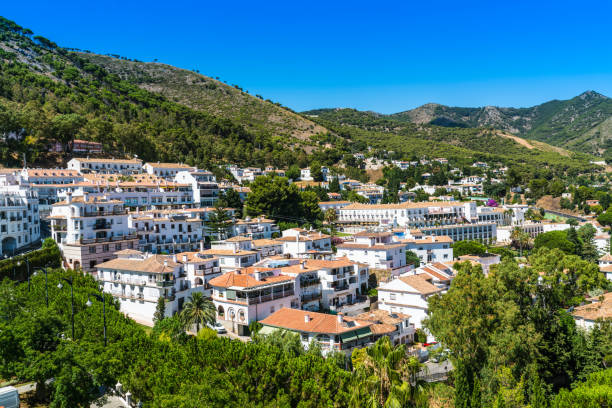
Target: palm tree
point(384, 362)
point(198, 310)
point(520, 237)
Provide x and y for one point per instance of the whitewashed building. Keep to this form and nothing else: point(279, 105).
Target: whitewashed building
point(138, 280)
point(376, 249)
point(431, 248)
point(19, 215)
point(166, 170)
point(300, 243)
point(203, 184)
point(89, 230)
point(119, 166)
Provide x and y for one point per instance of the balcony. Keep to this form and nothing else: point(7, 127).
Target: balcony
point(104, 213)
point(170, 298)
point(310, 282)
point(341, 287)
point(311, 297)
point(100, 226)
point(164, 284)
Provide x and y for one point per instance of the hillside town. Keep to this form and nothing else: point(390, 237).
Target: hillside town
point(150, 231)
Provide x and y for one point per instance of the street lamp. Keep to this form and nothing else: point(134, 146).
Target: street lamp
point(101, 299)
point(59, 285)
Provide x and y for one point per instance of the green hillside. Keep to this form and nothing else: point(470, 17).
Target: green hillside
point(49, 94)
point(210, 95)
point(461, 145)
point(578, 123)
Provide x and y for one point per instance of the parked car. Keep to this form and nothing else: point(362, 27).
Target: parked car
point(9, 397)
point(218, 327)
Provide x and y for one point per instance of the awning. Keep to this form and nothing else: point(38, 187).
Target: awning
point(363, 332)
point(350, 336)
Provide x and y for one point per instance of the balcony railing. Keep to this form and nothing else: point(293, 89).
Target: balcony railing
point(103, 213)
point(310, 282)
point(164, 284)
point(311, 297)
point(341, 287)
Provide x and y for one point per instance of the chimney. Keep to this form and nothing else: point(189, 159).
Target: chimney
point(68, 197)
point(306, 318)
point(340, 318)
point(165, 263)
point(303, 265)
point(201, 245)
point(184, 258)
point(174, 258)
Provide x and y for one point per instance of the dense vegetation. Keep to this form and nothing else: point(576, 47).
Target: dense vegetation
point(50, 94)
point(510, 334)
point(461, 146)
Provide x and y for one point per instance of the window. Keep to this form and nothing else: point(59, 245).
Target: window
point(271, 309)
point(105, 248)
point(92, 264)
point(118, 246)
point(305, 337)
point(392, 296)
point(92, 249)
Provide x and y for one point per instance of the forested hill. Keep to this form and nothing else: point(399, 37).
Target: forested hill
point(211, 95)
point(583, 123)
point(463, 146)
point(50, 94)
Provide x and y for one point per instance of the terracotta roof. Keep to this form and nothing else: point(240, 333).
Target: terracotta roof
point(435, 274)
point(406, 205)
point(118, 161)
point(193, 257)
point(381, 328)
point(333, 202)
point(606, 269)
point(171, 165)
point(225, 252)
point(238, 239)
point(90, 200)
point(375, 247)
point(264, 242)
point(152, 264)
point(295, 319)
point(383, 316)
point(596, 310)
point(247, 280)
point(431, 239)
point(52, 173)
point(372, 234)
point(128, 252)
point(304, 238)
point(420, 284)
point(606, 258)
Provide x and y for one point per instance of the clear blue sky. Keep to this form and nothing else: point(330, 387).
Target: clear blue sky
point(382, 56)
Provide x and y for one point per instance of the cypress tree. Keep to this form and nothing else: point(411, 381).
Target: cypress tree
point(160, 310)
point(462, 386)
point(538, 398)
point(476, 401)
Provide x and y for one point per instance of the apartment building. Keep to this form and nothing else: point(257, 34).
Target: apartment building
point(234, 258)
point(200, 269)
point(85, 146)
point(498, 215)
point(431, 248)
point(376, 249)
point(119, 166)
point(408, 295)
point(484, 232)
point(267, 247)
point(332, 333)
point(89, 230)
point(166, 170)
point(244, 296)
point(255, 228)
point(142, 194)
point(338, 285)
point(203, 184)
point(47, 183)
point(300, 243)
point(408, 214)
point(167, 232)
point(137, 280)
point(19, 215)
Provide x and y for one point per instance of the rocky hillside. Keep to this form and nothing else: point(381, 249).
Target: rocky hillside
point(210, 95)
point(583, 123)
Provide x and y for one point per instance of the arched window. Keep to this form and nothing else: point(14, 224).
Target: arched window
point(221, 312)
point(241, 316)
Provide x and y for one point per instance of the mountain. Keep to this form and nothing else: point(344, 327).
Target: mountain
point(583, 123)
point(210, 95)
point(462, 145)
point(50, 94)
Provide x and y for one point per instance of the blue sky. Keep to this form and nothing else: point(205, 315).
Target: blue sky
point(381, 56)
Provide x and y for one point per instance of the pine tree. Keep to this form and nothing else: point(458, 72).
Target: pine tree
point(572, 236)
point(160, 310)
point(462, 386)
point(500, 402)
point(334, 185)
point(476, 401)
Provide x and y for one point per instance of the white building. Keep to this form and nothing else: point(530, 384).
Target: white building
point(232, 259)
point(167, 232)
point(89, 230)
point(242, 297)
point(255, 228)
point(300, 243)
point(306, 176)
point(602, 242)
point(203, 184)
point(166, 170)
point(408, 295)
point(200, 269)
point(396, 326)
point(376, 249)
point(331, 333)
point(431, 248)
point(120, 166)
point(587, 316)
point(138, 280)
point(408, 214)
point(19, 215)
